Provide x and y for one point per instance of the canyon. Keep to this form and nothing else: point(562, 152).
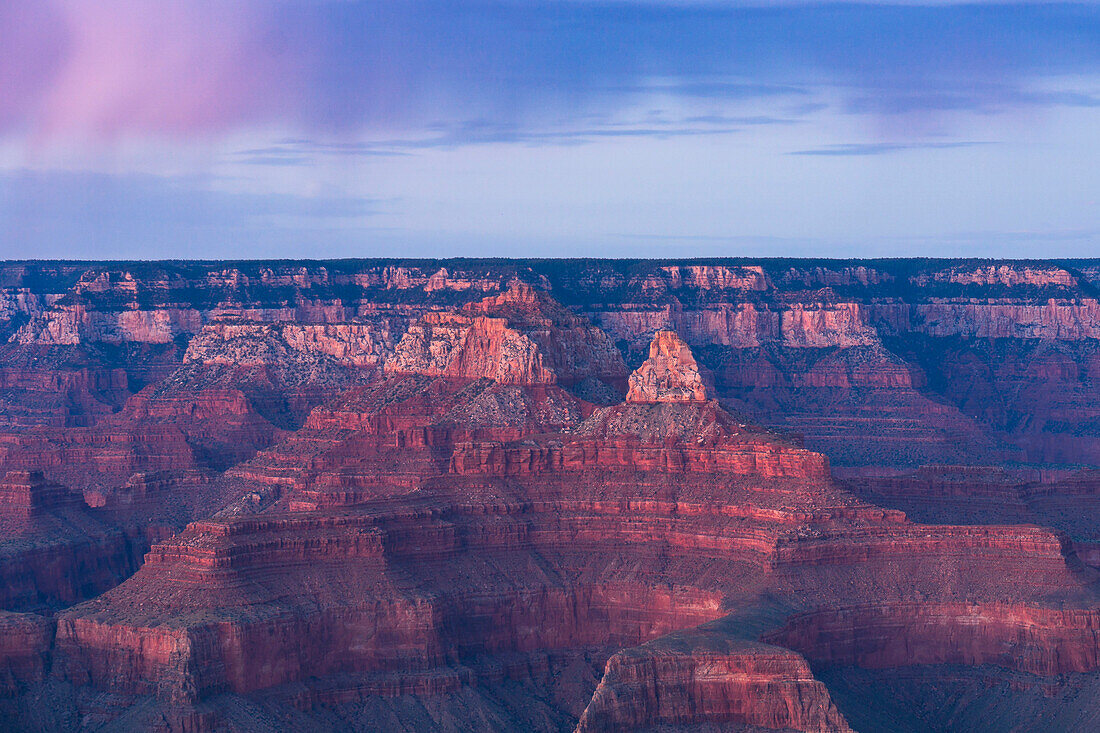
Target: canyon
point(553, 495)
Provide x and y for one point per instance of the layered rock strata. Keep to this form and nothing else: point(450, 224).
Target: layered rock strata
point(453, 551)
point(409, 496)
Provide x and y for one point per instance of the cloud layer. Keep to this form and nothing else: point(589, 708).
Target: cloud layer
point(97, 70)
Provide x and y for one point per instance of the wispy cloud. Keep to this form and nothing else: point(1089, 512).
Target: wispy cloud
point(295, 152)
point(884, 148)
point(985, 99)
point(298, 151)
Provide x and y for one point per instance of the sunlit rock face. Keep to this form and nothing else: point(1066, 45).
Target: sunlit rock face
point(518, 337)
point(547, 496)
point(670, 374)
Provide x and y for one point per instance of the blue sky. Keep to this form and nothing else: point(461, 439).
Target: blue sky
point(306, 128)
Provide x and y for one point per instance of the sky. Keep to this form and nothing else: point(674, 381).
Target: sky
point(148, 129)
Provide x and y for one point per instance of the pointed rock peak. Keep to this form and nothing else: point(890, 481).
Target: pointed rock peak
point(670, 374)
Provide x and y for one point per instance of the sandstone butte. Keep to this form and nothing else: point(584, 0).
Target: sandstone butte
point(553, 496)
point(670, 374)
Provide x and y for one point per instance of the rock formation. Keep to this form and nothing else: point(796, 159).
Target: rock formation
point(670, 374)
point(459, 346)
point(392, 495)
point(26, 494)
point(517, 337)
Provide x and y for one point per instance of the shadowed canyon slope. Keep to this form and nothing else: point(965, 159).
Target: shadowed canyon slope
point(550, 495)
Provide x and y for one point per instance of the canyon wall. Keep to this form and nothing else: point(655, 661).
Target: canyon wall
point(541, 495)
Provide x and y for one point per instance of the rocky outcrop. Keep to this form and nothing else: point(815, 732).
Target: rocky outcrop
point(518, 337)
point(670, 374)
point(469, 348)
point(76, 324)
point(701, 677)
point(838, 325)
point(704, 277)
point(361, 345)
point(27, 494)
point(1007, 275)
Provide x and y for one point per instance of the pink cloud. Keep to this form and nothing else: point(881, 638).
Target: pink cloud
point(89, 68)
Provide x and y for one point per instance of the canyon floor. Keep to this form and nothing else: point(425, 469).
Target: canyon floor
point(550, 495)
